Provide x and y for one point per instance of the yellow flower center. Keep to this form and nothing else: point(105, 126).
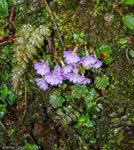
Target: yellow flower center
point(75, 74)
point(54, 76)
point(88, 57)
point(44, 66)
point(73, 53)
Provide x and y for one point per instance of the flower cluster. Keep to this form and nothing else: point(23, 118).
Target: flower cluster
point(66, 72)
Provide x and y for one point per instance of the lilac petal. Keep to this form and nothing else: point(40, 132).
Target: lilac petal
point(51, 82)
point(44, 62)
point(42, 83)
point(71, 57)
point(41, 67)
point(98, 64)
point(76, 78)
point(57, 73)
point(48, 77)
point(57, 68)
point(54, 78)
point(67, 68)
point(88, 61)
point(85, 81)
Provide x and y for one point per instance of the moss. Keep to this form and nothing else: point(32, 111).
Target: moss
point(115, 132)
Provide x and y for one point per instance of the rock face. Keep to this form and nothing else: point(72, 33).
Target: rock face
point(53, 128)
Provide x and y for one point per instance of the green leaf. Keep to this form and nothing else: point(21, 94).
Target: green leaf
point(30, 147)
point(128, 20)
point(96, 0)
point(85, 42)
point(5, 77)
point(89, 123)
point(108, 60)
point(46, 57)
point(5, 91)
point(2, 32)
point(3, 110)
point(62, 86)
point(81, 130)
point(2, 98)
point(127, 2)
point(101, 82)
point(95, 70)
point(2, 56)
point(69, 97)
point(123, 41)
point(79, 91)
point(5, 50)
point(76, 36)
point(83, 118)
point(11, 99)
point(82, 54)
point(106, 47)
point(132, 53)
point(92, 94)
point(3, 5)
point(60, 112)
point(91, 104)
point(82, 34)
point(70, 37)
point(56, 101)
point(93, 140)
point(115, 120)
point(81, 40)
point(3, 105)
point(2, 114)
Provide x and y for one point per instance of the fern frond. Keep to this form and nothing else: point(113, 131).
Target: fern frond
point(28, 39)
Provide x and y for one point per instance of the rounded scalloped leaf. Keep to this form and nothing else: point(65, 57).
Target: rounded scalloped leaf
point(104, 50)
point(92, 94)
point(79, 91)
point(106, 47)
point(102, 82)
point(56, 101)
point(108, 60)
point(69, 97)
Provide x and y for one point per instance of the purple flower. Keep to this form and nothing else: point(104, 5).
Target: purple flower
point(85, 81)
point(67, 68)
point(54, 78)
point(98, 64)
point(88, 61)
point(75, 69)
point(74, 77)
point(57, 68)
point(42, 83)
point(71, 57)
point(42, 67)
